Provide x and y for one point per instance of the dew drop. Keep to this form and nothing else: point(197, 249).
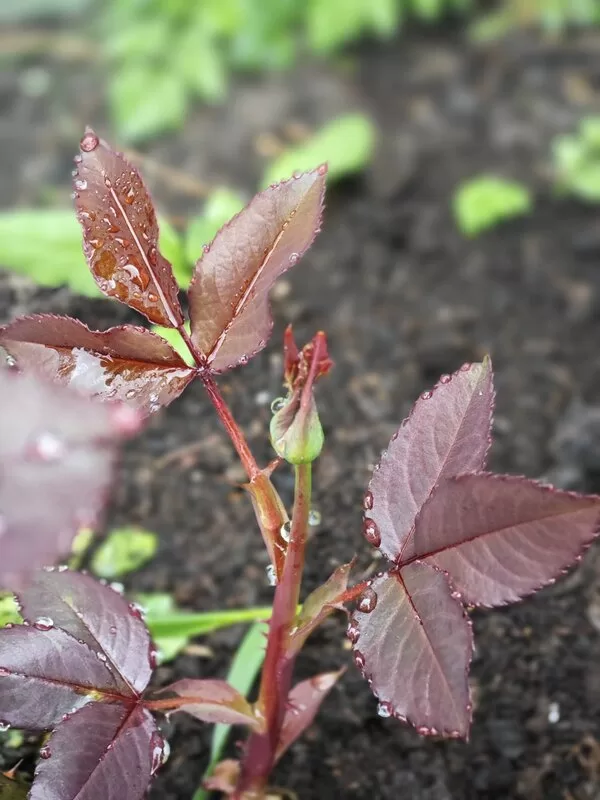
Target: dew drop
point(153, 657)
point(80, 184)
point(423, 730)
point(314, 517)
point(157, 746)
point(371, 532)
point(271, 576)
point(368, 601)
point(101, 657)
point(4, 726)
point(136, 611)
point(359, 659)
point(45, 753)
point(285, 531)
point(384, 709)
point(152, 298)
point(426, 395)
point(77, 159)
point(353, 633)
point(10, 362)
point(117, 587)
point(44, 623)
point(445, 379)
point(277, 404)
point(368, 501)
point(108, 184)
point(48, 447)
point(112, 630)
point(166, 752)
point(89, 142)
point(129, 196)
point(130, 394)
point(153, 255)
point(465, 368)
point(294, 258)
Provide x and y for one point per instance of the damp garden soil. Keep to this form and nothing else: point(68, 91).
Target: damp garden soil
point(403, 298)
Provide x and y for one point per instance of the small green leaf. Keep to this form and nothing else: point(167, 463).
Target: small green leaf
point(80, 546)
point(242, 674)
point(123, 551)
point(221, 206)
point(146, 100)
point(485, 201)
point(46, 245)
point(175, 339)
point(346, 144)
point(171, 246)
point(9, 610)
point(172, 628)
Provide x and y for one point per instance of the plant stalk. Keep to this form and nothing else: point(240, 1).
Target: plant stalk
point(276, 679)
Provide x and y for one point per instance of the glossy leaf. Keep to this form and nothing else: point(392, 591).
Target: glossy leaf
point(319, 605)
point(229, 305)
point(125, 363)
point(501, 537)
point(447, 433)
point(221, 205)
point(304, 702)
point(97, 615)
point(80, 665)
point(212, 701)
point(56, 458)
point(120, 233)
point(45, 674)
point(123, 551)
point(102, 751)
point(413, 641)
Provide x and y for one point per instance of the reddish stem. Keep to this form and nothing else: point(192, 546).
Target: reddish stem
point(279, 663)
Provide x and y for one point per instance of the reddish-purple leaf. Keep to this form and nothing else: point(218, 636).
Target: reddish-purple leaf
point(303, 703)
point(98, 616)
point(212, 701)
point(120, 233)
point(229, 303)
point(45, 674)
point(126, 363)
point(103, 752)
point(56, 458)
point(413, 642)
point(501, 537)
point(319, 605)
point(447, 433)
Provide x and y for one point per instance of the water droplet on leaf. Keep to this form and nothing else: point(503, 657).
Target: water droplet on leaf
point(45, 753)
point(368, 501)
point(80, 184)
point(48, 447)
point(368, 601)
point(445, 378)
point(44, 624)
point(371, 532)
point(426, 395)
point(384, 709)
point(89, 142)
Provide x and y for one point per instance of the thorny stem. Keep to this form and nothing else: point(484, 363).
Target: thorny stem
point(276, 677)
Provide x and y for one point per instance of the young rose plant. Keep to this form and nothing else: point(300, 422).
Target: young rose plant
point(454, 535)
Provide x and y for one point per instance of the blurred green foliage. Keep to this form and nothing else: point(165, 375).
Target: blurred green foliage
point(165, 53)
point(576, 160)
point(346, 143)
point(123, 551)
point(552, 16)
point(485, 201)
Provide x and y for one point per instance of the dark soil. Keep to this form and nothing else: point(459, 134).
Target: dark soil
point(403, 298)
